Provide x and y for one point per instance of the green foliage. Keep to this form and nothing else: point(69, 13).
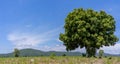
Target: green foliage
point(83, 54)
point(52, 55)
point(64, 55)
point(101, 52)
point(16, 52)
point(59, 60)
point(90, 29)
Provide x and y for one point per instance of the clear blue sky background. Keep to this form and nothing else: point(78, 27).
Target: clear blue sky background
point(37, 23)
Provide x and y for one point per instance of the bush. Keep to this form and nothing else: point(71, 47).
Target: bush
point(83, 54)
point(64, 55)
point(101, 52)
point(16, 52)
point(52, 55)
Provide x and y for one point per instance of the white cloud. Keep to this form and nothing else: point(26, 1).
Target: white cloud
point(59, 48)
point(53, 48)
point(30, 40)
point(25, 40)
point(82, 50)
point(112, 49)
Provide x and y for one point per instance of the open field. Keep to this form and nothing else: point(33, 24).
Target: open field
point(59, 60)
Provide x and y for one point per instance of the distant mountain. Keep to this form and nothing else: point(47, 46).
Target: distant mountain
point(34, 52)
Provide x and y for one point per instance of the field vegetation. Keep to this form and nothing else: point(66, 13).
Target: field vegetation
point(60, 60)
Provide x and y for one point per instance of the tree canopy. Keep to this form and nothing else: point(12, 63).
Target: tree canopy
point(88, 28)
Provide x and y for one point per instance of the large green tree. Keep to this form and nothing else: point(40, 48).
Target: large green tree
point(90, 29)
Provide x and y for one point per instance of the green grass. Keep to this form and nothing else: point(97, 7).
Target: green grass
point(59, 60)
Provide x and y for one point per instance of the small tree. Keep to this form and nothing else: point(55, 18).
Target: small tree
point(52, 55)
point(64, 55)
point(16, 52)
point(83, 54)
point(101, 52)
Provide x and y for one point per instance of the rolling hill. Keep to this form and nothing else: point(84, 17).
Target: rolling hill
point(34, 52)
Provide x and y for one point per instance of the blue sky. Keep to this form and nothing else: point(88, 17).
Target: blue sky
point(37, 23)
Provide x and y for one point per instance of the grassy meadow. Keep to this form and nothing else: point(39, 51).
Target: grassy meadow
point(59, 60)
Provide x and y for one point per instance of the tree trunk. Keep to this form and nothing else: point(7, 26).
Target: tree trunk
point(90, 51)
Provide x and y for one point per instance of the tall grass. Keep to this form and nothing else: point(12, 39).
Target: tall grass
point(59, 60)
